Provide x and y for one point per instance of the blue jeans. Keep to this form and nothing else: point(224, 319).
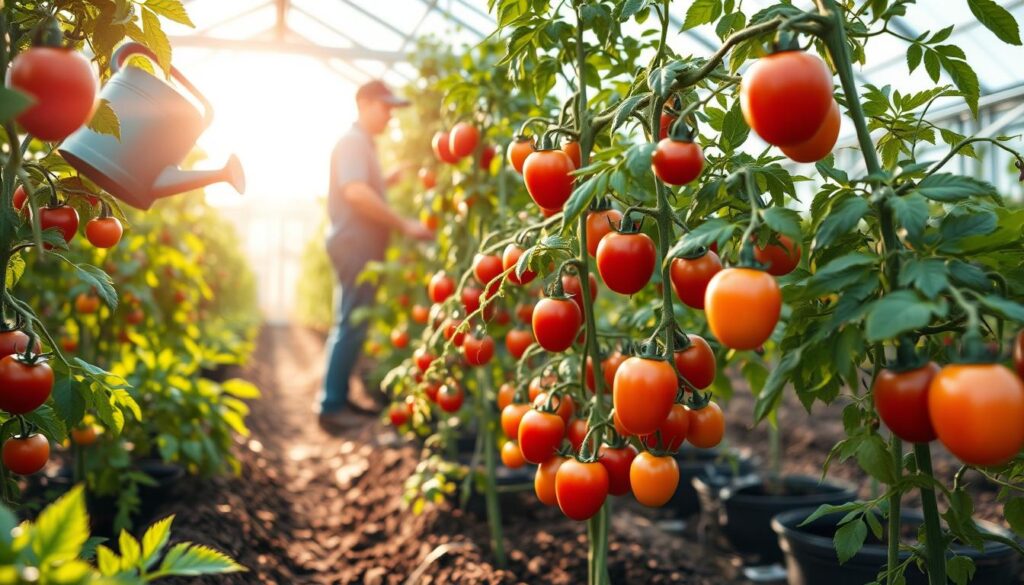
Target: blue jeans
point(345, 342)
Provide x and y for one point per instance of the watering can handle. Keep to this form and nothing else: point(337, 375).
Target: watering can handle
point(132, 48)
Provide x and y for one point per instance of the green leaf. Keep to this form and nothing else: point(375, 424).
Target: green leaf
point(581, 198)
point(914, 54)
point(156, 40)
point(1013, 512)
point(61, 529)
point(926, 275)
point(68, 401)
point(712, 230)
point(783, 221)
point(240, 388)
point(969, 275)
point(702, 12)
point(46, 419)
point(105, 121)
point(996, 19)
point(626, 109)
point(911, 212)
point(107, 561)
point(849, 539)
point(840, 273)
point(840, 220)
point(191, 560)
point(897, 313)
point(960, 569)
point(1005, 307)
point(965, 79)
point(769, 397)
point(170, 9)
point(826, 509)
point(98, 280)
point(154, 541)
point(131, 552)
point(629, 8)
point(735, 129)
point(12, 103)
point(15, 269)
point(947, 187)
point(958, 226)
point(663, 78)
point(873, 457)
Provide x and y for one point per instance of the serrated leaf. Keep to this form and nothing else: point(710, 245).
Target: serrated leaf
point(581, 198)
point(98, 280)
point(849, 539)
point(734, 129)
point(826, 509)
point(155, 38)
point(914, 53)
point(702, 12)
point(154, 541)
point(997, 19)
point(1010, 309)
point(769, 397)
point(170, 9)
point(46, 419)
point(873, 457)
point(897, 313)
point(663, 78)
point(969, 275)
point(191, 560)
point(947, 187)
point(840, 220)
point(967, 223)
point(713, 230)
point(12, 103)
point(965, 79)
point(15, 269)
point(130, 550)
point(626, 109)
point(105, 121)
point(927, 275)
point(1013, 512)
point(61, 529)
point(960, 569)
point(911, 212)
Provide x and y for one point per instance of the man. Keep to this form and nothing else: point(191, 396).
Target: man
point(360, 223)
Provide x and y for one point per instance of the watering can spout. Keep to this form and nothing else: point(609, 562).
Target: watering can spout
point(174, 180)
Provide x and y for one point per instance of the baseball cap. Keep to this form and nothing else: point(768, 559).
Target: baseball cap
point(376, 90)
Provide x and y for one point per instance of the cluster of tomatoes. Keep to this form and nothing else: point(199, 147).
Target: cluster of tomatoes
point(973, 408)
point(26, 381)
point(63, 87)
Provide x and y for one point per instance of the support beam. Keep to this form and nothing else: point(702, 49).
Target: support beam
point(292, 48)
point(281, 20)
point(448, 14)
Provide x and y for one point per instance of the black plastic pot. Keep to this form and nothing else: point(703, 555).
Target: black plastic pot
point(811, 558)
point(714, 464)
point(166, 475)
point(744, 510)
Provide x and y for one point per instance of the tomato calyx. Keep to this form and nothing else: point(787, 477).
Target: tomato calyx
point(974, 350)
point(48, 34)
point(553, 401)
point(697, 400)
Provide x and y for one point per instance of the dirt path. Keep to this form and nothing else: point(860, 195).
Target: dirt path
point(311, 508)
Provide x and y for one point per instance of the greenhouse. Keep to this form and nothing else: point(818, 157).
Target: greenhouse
point(512, 291)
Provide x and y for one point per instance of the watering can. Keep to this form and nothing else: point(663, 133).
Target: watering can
point(159, 127)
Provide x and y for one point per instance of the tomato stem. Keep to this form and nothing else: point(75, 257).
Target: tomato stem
point(487, 428)
point(893, 545)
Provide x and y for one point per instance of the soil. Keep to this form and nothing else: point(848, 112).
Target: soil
point(313, 508)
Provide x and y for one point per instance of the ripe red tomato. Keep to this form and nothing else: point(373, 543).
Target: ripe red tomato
point(478, 350)
point(399, 338)
point(617, 462)
point(87, 303)
point(441, 287)
point(1018, 354)
point(511, 416)
point(540, 434)
point(517, 340)
point(672, 431)
point(555, 323)
point(697, 362)
point(452, 333)
point(69, 344)
point(690, 277)
point(506, 393)
point(572, 149)
point(509, 259)
point(901, 399)
point(463, 139)
point(64, 218)
point(83, 436)
point(619, 428)
point(653, 479)
point(786, 96)
point(544, 480)
point(581, 488)
point(24, 387)
point(487, 154)
point(565, 406)
point(742, 306)
point(427, 178)
point(677, 162)
point(135, 316)
point(471, 297)
point(518, 151)
point(487, 268)
point(450, 397)
point(398, 414)
point(576, 432)
point(707, 426)
point(420, 314)
point(431, 389)
point(821, 143)
point(104, 232)
point(511, 456)
point(15, 341)
point(26, 455)
point(600, 224)
point(547, 177)
point(524, 311)
point(626, 261)
point(573, 289)
point(976, 410)
point(442, 150)
point(63, 86)
point(781, 258)
point(19, 199)
point(423, 359)
point(665, 124)
point(537, 386)
point(643, 393)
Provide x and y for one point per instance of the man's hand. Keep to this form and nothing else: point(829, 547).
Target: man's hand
point(397, 172)
point(415, 230)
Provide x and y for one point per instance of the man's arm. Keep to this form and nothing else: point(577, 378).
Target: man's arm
point(369, 205)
